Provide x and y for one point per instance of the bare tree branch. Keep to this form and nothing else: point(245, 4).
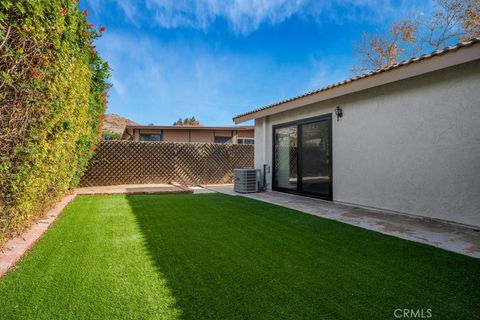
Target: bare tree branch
point(453, 20)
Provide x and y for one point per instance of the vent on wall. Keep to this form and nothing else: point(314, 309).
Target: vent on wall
point(246, 180)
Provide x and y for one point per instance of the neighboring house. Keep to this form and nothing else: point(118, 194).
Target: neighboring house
point(229, 134)
point(408, 139)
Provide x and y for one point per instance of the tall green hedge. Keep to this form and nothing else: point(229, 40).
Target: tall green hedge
point(53, 93)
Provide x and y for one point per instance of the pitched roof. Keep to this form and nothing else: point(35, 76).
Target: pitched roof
point(411, 61)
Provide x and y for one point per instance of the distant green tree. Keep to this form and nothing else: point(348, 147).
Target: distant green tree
point(187, 122)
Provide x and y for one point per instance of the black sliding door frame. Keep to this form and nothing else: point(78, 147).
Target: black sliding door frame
point(298, 124)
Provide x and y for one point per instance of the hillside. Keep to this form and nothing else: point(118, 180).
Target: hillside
point(116, 123)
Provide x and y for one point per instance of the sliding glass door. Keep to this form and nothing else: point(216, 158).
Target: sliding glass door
point(302, 159)
point(286, 158)
point(315, 158)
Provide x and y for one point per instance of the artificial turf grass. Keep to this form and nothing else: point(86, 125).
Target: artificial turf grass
point(215, 256)
point(91, 264)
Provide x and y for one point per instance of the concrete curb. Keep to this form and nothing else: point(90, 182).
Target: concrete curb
point(15, 248)
point(170, 188)
point(182, 187)
point(134, 193)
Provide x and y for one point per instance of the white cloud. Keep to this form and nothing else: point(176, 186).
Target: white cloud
point(245, 16)
point(164, 80)
point(118, 85)
point(130, 10)
point(171, 80)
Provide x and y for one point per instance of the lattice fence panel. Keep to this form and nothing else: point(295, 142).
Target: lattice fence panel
point(130, 162)
point(190, 163)
point(221, 160)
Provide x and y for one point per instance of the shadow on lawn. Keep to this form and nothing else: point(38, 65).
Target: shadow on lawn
point(230, 257)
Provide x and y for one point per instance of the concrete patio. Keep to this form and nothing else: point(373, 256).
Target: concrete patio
point(452, 237)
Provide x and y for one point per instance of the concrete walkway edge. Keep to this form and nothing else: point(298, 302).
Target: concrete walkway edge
point(16, 248)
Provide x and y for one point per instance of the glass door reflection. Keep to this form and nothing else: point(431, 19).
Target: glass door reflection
point(286, 158)
point(315, 158)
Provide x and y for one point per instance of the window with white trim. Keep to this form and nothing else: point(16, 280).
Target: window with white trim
point(246, 141)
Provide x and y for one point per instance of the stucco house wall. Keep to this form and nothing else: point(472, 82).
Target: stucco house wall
point(202, 136)
point(176, 135)
point(412, 146)
point(246, 134)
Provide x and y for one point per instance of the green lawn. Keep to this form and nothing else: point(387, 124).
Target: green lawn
point(214, 256)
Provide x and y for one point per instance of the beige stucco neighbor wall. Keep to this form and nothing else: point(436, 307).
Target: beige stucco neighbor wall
point(412, 146)
point(223, 133)
point(246, 134)
point(201, 136)
point(176, 135)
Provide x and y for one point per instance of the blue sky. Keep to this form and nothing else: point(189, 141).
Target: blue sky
point(214, 59)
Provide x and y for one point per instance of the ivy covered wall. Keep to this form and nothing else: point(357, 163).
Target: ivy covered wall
point(53, 93)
